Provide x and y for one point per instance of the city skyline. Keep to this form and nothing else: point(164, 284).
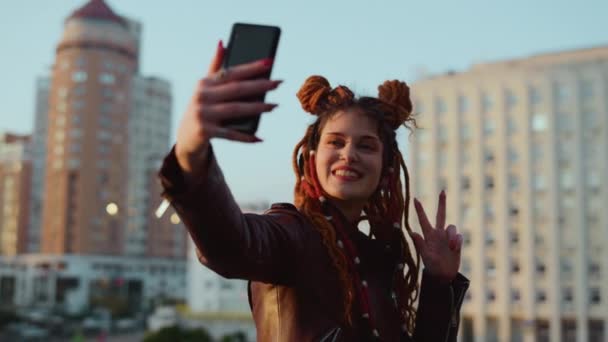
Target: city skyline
point(441, 41)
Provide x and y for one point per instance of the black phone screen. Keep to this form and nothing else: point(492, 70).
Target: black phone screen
point(249, 43)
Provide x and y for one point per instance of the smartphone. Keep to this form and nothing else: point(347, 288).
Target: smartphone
point(248, 43)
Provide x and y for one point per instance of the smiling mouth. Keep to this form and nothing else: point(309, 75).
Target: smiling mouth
point(346, 174)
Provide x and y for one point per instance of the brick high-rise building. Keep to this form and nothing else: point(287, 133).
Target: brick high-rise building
point(15, 180)
point(106, 122)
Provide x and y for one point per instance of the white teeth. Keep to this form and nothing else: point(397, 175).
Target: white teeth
point(346, 173)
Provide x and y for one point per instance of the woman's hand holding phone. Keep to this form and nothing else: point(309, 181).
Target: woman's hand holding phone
point(216, 100)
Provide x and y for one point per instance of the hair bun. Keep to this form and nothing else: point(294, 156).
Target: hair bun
point(316, 95)
point(397, 94)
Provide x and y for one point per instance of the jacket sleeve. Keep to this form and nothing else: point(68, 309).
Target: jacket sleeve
point(438, 314)
point(235, 245)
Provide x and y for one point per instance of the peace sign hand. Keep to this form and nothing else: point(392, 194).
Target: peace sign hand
point(440, 248)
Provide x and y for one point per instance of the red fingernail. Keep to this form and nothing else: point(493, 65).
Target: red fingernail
point(256, 139)
point(220, 45)
point(267, 62)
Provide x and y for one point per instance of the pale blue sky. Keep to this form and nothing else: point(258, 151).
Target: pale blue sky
point(357, 43)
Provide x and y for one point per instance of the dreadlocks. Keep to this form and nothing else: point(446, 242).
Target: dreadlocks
point(387, 205)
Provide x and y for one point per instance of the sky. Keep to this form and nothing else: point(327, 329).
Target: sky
point(356, 43)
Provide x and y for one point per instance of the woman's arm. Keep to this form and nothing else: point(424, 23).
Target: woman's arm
point(233, 244)
point(438, 315)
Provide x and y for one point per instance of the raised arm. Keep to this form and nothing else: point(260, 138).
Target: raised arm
point(233, 244)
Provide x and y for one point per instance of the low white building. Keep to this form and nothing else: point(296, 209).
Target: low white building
point(218, 304)
point(74, 282)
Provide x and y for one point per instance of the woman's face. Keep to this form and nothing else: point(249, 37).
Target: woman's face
point(349, 157)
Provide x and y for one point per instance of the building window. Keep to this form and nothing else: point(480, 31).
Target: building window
point(567, 295)
point(595, 296)
point(76, 133)
point(566, 178)
point(490, 295)
point(515, 295)
point(73, 163)
point(58, 150)
point(511, 125)
point(489, 210)
point(104, 135)
point(443, 158)
point(539, 122)
point(561, 92)
point(490, 239)
point(418, 106)
point(594, 270)
point(487, 102)
point(540, 267)
point(513, 182)
point(515, 266)
point(534, 94)
point(510, 99)
point(587, 91)
point(463, 104)
point(513, 156)
point(489, 126)
point(106, 78)
point(79, 76)
point(489, 182)
point(541, 296)
point(465, 131)
point(490, 268)
point(539, 182)
point(466, 183)
point(443, 134)
point(440, 107)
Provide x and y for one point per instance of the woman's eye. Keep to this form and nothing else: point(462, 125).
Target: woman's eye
point(335, 142)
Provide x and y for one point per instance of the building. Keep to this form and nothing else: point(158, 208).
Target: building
point(15, 175)
point(74, 283)
point(38, 158)
point(520, 146)
point(149, 130)
point(108, 125)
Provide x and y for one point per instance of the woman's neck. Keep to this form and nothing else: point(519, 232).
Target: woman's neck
point(352, 212)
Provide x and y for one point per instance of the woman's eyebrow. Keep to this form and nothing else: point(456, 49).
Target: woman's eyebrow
point(360, 137)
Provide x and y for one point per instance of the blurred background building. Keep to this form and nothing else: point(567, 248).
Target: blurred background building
point(520, 146)
point(15, 177)
point(78, 197)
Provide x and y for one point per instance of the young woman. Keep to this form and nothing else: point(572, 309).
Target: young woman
point(314, 275)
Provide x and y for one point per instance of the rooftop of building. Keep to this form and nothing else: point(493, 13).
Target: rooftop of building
point(98, 9)
point(544, 59)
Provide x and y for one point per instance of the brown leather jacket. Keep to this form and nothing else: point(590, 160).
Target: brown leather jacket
point(294, 289)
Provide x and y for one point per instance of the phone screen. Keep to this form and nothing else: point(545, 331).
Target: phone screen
point(249, 43)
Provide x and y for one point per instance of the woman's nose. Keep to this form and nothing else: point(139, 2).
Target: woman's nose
point(349, 153)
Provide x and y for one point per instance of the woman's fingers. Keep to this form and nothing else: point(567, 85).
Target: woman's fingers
point(216, 113)
point(440, 221)
point(425, 224)
point(452, 235)
point(230, 134)
point(218, 58)
point(235, 90)
point(418, 242)
point(239, 72)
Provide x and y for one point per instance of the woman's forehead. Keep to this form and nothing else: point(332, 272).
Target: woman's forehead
point(351, 123)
